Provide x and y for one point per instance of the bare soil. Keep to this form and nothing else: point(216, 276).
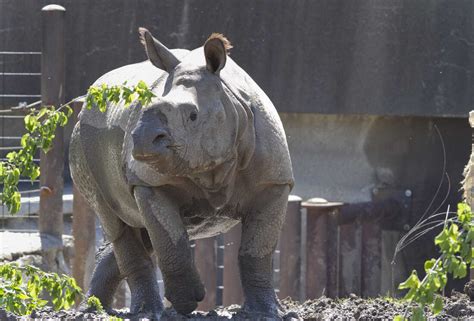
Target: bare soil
point(458, 306)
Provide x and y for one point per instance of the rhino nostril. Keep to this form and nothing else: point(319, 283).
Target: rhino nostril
point(160, 138)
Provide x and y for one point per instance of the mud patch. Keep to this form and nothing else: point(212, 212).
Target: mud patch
point(457, 306)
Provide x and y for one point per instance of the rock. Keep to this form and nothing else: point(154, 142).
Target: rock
point(469, 290)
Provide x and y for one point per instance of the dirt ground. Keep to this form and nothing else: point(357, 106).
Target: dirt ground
point(458, 306)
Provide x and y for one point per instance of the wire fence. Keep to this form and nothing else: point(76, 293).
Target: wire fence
point(13, 106)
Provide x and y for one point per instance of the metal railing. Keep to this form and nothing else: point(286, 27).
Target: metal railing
point(10, 133)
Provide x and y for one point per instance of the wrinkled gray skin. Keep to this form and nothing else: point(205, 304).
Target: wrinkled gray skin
point(208, 152)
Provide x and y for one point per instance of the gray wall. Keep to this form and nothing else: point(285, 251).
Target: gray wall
point(354, 57)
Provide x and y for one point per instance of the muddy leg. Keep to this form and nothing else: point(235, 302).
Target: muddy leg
point(183, 288)
point(105, 278)
point(136, 266)
point(260, 231)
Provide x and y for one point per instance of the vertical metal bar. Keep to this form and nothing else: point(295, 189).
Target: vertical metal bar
point(276, 265)
point(233, 293)
point(206, 264)
point(220, 270)
point(290, 243)
point(52, 163)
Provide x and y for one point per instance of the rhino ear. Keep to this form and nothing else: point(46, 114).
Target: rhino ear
point(159, 55)
point(216, 49)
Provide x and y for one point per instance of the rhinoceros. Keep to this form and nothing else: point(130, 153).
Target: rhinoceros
point(207, 153)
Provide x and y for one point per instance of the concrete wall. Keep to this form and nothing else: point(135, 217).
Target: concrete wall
point(398, 57)
point(343, 157)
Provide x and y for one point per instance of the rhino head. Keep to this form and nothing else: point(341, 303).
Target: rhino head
point(195, 125)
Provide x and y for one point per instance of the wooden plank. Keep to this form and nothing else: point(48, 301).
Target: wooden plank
point(289, 255)
point(206, 264)
point(232, 287)
point(349, 262)
point(371, 259)
point(316, 254)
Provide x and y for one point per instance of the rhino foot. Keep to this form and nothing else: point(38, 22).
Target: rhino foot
point(146, 304)
point(184, 291)
point(263, 303)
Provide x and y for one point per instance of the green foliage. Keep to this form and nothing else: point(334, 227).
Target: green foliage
point(41, 126)
point(94, 303)
point(100, 96)
point(456, 254)
point(21, 289)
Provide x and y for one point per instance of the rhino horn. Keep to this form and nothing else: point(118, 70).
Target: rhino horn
point(159, 55)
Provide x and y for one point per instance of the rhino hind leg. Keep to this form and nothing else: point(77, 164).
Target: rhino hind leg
point(260, 231)
point(135, 264)
point(137, 268)
point(105, 278)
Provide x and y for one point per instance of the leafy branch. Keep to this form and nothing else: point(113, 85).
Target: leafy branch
point(41, 126)
point(456, 254)
point(21, 289)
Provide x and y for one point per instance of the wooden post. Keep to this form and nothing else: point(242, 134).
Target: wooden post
point(52, 163)
point(321, 249)
point(206, 263)
point(83, 231)
point(289, 247)
point(233, 293)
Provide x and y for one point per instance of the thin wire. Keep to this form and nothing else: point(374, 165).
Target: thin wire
point(401, 243)
point(442, 175)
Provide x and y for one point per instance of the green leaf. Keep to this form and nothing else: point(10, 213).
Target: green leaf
point(437, 305)
point(68, 111)
point(418, 314)
point(429, 264)
point(30, 122)
point(460, 270)
point(24, 140)
point(413, 282)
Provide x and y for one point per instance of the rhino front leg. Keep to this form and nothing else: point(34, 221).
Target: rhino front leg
point(183, 287)
point(260, 231)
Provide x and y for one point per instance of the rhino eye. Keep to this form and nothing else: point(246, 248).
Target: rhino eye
point(193, 116)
